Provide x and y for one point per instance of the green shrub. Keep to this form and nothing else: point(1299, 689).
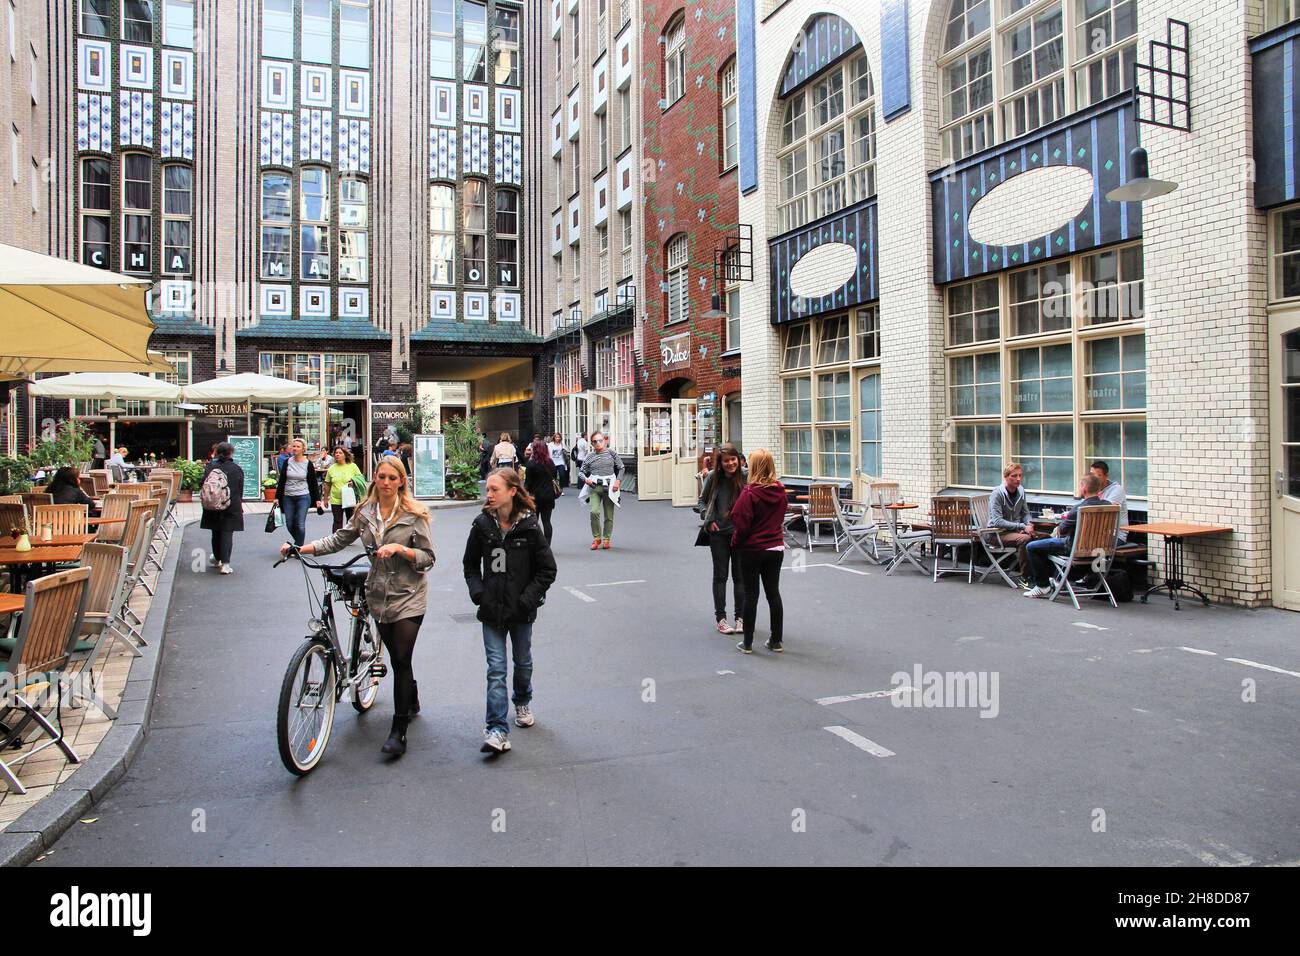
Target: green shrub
point(71, 445)
point(461, 435)
point(15, 475)
point(191, 473)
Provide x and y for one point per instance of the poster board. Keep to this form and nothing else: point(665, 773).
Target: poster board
point(248, 456)
point(427, 460)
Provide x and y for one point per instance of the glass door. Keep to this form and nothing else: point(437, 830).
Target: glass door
point(1284, 374)
point(686, 452)
point(655, 451)
point(869, 466)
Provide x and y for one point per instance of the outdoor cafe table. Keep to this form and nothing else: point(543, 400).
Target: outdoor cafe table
point(59, 540)
point(17, 562)
point(1174, 532)
point(90, 521)
point(901, 551)
point(12, 603)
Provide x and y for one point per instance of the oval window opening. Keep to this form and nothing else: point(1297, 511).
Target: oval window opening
point(1031, 205)
point(823, 270)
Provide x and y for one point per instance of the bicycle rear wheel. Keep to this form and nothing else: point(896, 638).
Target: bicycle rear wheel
point(306, 711)
point(367, 651)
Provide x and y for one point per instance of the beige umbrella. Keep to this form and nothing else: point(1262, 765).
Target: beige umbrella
point(111, 386)
point(57, 315)
point(250, 387)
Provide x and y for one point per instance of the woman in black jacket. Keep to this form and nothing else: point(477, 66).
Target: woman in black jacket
point(720, 491)
point(65, 489)
point(508, 568)
point(225, 522)
point(297, 490)
point(539, 482)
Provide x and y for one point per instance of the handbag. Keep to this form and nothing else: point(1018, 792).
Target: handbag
point(348, 496)
point(274, 518)
point(555, 484)
point(702, 537)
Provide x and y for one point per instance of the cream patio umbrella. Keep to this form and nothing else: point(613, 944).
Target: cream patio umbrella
point(57, 315)
point(110, 386)
point(250, 387)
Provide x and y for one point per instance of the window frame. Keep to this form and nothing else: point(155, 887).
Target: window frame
point(674, 60)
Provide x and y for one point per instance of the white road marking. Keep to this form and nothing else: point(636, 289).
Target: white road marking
point(872, 695)
point(1142, 650)
point(1140, 710)
point(1090, 627)
point(579, 595)
point(723, 673)
point(1263, 667)
point(862, 743)
point(962, 640)
point(1197, 650)
point(610, 584)
point(837, 567)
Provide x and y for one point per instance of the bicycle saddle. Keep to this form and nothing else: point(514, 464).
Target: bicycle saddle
point(349, 579)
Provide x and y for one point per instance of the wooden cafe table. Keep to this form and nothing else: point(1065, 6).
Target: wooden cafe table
point(17, 562)
point(1174, 533)
point(12, 603)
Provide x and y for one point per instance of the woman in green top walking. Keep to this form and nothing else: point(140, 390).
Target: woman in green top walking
point(338, 477)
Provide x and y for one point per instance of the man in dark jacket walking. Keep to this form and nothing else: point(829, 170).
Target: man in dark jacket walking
point(224, 522)
point(508, 569)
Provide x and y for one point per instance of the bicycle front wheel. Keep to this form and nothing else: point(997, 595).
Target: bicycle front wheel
point(306, 711)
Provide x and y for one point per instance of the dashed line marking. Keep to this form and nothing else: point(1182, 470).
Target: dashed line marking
point(1197, 650)
point(862, 743)
point(579, 595)
point(1263, 667)
point(870, 695)
point(724, 673)
point(610, 584)
point(1088, 626)
point(837, 567)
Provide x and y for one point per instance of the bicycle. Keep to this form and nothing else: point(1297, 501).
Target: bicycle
point(320, 672)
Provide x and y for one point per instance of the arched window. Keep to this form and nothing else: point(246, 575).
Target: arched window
point(442, 227)
point(137, 213)
point(730, 125)
point(178, 220)
point(1000, 80)
point(354, 234)
point(313, 222)
point(475, 231)
point(826, 159)
point(679, 285)
point(277, 208)
point(96, 215)
point(675, 60)
point(507, 230)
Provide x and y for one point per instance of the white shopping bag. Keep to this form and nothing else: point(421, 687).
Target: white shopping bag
point(349, 496)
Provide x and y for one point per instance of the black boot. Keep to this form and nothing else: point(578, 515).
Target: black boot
point(396, 742)
point(415, 698)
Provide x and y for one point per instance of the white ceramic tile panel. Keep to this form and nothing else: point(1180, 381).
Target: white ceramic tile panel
point(600, 84)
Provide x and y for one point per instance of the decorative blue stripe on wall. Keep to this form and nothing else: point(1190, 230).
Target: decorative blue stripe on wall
point(748, 110)
point(1095, 139)
point(826, 39)
point(895, 72)
point(856, 227)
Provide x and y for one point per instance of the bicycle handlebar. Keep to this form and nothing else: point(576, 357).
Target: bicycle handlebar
point(295, 552)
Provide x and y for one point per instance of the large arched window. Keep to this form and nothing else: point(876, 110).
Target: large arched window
point(679, 282)
point(730, 125)
point(178, 219)
point(507, 232)
point(277, 209)
point(137, 213)
point(442, 228)
point(354, 233)
point(313, 222)
point(1003, 71)
point(475, 230)
point(675, 60)
point(96, 214)
point(826, 156)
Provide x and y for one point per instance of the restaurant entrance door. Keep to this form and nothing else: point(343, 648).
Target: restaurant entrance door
point(1284, 392)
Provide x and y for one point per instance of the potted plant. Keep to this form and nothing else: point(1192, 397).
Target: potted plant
point(269, 484)
point(191, 478)
point(15, 475)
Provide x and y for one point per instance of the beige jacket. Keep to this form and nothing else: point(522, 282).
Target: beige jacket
point(395, 587)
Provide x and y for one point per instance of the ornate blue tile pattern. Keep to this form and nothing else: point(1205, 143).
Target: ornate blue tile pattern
point(443, 146)
point(177, 130)
point(1276, 78)
point(826, 39)
point(854, 227)
point(354, 145)
point(474, 149)
point(135, 119)
point(509, 155)
point(895, 88)
point(315, 136)
point(95, 121)
point(1097, 139)
point(277, 139)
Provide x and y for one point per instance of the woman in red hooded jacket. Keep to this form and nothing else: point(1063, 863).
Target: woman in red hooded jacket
point(756, 517)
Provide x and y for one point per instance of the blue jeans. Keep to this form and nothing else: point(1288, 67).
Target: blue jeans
point(494, 645)
point(1039, 554)
point(295, 516)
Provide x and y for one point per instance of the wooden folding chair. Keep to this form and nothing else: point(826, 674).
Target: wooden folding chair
point(65, 519)
point(11, 499)
point(101, 624)
point(950, 527)
point(87, 486)
point(52, 618)
point(99, 476)
point(990, 541)
point(33, 498)
point(1093, 548)
point(134, 489)
point(821, 510)
point(114, 506)
point(12, 515)
point(139, 533)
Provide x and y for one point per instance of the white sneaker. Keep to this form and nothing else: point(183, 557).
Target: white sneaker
point(524, 716)
point(1037, 592)
point(225, 569)
point(495, 741)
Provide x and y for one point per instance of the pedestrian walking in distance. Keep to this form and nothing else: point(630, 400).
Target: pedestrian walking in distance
point(508, 568)
point(581, 449)
point(340, 486)
point(560, 459)
point(297, 489)
point(756, 517)
point(721, 490)
point(505, 455)
point(221, 495)
point(602, 470)
point(397, 527)
point(541, 483)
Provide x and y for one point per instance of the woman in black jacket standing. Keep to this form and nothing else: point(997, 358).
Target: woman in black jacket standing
point(539, 482)
point(224, 522)
point(508, 568)
point(721, 490)
point(298, 490)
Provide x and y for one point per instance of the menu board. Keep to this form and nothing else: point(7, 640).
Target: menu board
point(427, 458)
point(248, 456)
point(706, 411)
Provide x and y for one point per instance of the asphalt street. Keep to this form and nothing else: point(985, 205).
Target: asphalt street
point(1115, 737)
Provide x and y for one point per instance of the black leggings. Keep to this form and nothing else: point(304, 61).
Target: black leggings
point(764, 566)
point(544, 509)
point(399, 637)
point(223, 542)
point(723, 559)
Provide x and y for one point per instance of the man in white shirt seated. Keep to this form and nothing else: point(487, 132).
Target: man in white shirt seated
point(1114, 494)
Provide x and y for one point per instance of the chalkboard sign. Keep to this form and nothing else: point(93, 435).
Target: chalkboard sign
point(248, 456)
point(427, 458)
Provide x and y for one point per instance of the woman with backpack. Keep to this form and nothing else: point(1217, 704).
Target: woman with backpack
point(718, 496)
point(540, 483)
point(221, 495)
point(508, 569)
point(756, 517)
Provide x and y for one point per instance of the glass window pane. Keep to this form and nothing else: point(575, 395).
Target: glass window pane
point(354, 36)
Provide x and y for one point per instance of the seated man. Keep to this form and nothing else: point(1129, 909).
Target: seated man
point(1114, 494)
point(1009, 514)
point(1040, 552)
